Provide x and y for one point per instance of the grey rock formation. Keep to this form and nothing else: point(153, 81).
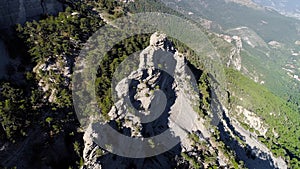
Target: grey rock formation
point(162, 68)
point(20, 11)
point(161, 93)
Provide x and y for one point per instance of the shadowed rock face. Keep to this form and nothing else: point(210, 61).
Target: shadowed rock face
point(19, 11)
point(3, 57)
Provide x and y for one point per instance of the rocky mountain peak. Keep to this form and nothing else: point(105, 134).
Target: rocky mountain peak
point(155, 96)
point(160, 41)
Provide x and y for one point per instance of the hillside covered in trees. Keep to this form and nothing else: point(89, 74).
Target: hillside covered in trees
point(40, 129)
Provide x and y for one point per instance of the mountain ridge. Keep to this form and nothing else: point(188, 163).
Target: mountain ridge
point(247, 125)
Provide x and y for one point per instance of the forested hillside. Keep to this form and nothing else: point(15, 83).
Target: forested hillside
point(40, 129)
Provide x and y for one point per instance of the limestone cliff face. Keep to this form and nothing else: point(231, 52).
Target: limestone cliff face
point(19, 11)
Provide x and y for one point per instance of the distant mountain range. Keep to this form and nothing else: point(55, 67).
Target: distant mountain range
point(285, 7)
point(250, 21)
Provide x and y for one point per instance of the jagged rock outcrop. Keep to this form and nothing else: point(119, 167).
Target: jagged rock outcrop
point(235, 58)
point(20, 11)
point(140, 91)
point(161, 92)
